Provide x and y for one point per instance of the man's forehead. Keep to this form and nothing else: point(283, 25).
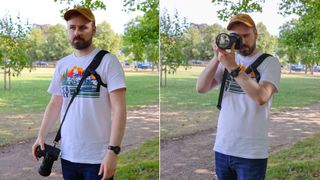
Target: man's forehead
point(78, 23)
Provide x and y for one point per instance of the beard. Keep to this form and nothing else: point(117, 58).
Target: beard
point(247, 50)
point(80, 44)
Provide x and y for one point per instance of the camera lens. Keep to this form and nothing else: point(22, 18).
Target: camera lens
point(46, 166)
point(223, 41)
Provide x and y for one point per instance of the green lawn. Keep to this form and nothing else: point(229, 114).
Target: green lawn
point(302, 161)
point(29, 91)
point(141, 163)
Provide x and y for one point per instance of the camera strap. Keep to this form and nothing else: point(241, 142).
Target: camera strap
point(90, 70)
point(251, 68)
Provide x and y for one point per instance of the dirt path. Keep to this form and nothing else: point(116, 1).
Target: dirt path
point(16, 161)
point(191, 156)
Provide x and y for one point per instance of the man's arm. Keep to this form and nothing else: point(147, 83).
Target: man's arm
point(259, 92)
point(51, 115)
point(119, 114)
point(206, 80)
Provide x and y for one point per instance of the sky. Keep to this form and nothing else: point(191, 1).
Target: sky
point(203, 11)
point(47, 12)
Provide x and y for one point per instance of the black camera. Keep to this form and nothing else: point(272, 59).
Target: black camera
point(225, 41)
point(50, 155)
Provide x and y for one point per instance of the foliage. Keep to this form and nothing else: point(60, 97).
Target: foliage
point(93, 5)
point(13, 44)
point(142, 33)
point(198, 40)
point(105, 38)
point(266, 42)
point(301, 37)
point(48, 42)
point(172, 30)
point(234, 7)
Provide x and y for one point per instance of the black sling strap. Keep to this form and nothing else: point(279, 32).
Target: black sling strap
point(91, 69)
point(252, 67)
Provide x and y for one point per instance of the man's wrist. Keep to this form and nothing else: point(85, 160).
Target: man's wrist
point(115, 149)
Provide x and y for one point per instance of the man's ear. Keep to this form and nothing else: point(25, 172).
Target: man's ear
point(256, 33)
point(94, 29)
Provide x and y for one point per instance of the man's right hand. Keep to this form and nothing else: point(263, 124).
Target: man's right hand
point(39, 142)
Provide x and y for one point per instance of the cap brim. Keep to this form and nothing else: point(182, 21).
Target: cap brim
point(68, 14)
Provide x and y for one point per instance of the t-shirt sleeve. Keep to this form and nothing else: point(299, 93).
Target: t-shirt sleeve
point(115, 75)
point(271, 71)
point(54, 87)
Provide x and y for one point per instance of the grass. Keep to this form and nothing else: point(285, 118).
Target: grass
point(21, 108)
point(183, 111)
point(141, 163)
point(301, 161)
point(29, 91)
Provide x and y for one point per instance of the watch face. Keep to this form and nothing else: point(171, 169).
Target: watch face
point(116, 149)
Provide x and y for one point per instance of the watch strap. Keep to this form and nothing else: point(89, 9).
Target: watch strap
point(235, 72)
point(115, 149)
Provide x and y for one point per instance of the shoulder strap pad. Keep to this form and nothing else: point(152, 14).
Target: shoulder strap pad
point(255, 64)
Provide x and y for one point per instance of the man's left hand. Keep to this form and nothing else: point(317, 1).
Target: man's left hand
point(227, 58)
point(108, 165)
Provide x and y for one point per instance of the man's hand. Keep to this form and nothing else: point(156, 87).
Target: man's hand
point(108, 165)
point(39, 142)
point(227, 58)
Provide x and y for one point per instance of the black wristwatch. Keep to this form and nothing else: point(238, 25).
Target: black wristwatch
point(235, 72)
point(115, 149)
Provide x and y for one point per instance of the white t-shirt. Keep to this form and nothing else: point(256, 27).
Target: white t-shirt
point(243, 125)
point(86, 129)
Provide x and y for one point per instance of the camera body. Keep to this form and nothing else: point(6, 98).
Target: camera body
point(225, 41)
point(50, 155)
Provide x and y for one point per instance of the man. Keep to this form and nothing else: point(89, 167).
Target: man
point(241, 146)
point(89, 141)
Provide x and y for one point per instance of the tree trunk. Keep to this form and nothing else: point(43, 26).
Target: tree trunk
point(161, 70)
point(9, 74)
point(165, 76)
point(5, 75)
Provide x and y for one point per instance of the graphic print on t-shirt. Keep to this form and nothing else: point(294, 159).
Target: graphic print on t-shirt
point(70, 79)
point(232, 85)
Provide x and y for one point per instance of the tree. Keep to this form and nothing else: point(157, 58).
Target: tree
point(107, 39)
point(13, 47)
point(142, 33)
point(198, 40)
point(57, 44)
point(48, 42)
point(172, 30)
point(265, 42)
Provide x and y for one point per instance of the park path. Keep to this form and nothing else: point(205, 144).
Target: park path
point(16, 161)
point(191, 157)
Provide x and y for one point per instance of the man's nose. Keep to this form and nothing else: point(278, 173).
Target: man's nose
point(77, 32)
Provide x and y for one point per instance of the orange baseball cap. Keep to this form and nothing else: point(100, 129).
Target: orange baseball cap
point(87, 13)
point(242, 18)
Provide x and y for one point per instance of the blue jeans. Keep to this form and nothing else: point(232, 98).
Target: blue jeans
point(80, 171)
point(235, 168)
